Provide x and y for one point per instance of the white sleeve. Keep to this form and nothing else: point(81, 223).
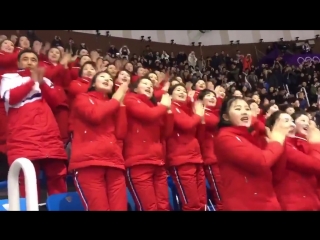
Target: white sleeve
point(6, 85)
point(48, 82)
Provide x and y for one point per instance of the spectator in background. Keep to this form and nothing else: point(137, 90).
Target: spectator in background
point(192, 60)
point(71, 47)
point(165, 56)
point(247, 62)
point(146, 51)
point(269, 50)
point(112, 52)
point(56, 42)
point(306, 48)
point(124, 52)
point(181, 57)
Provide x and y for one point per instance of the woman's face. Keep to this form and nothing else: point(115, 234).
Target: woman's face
point(145, 87)
point(244, 89)
point(256, 98)
point(129, 67)
point(239, 113)
point(272, 109)
point(209, 100)
point(84, 59)
point(54, 55)
point(254, 109)
point(153, 78)
point(104, 82)
point(24, 42)
point(140, 71)
point(222, 92)
point(271, 89)
point(302, 124)
point(290, 110)
point(7, 46)
point(112, 70)
point(123, 77)
point(179, 94)
point(88, 71)
point(83, 52)
point(200, 85)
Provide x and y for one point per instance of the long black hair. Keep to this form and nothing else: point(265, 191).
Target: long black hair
point(204, 92)
point(92, 86)
point(270, 121)
point(134, 85)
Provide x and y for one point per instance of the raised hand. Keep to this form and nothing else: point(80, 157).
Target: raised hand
point(166, 100)
point(280, 130)
point(198, 108)
point(313, 135)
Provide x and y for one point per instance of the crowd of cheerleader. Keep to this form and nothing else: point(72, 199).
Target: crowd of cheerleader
point(134, 130)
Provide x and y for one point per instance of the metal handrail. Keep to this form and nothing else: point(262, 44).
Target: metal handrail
point(30, 185)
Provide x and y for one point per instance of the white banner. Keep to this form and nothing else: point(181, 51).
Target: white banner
point(211, 37)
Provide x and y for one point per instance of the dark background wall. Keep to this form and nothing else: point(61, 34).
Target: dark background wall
point(136, 46)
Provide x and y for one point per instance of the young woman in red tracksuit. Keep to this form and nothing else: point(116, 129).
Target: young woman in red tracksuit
point(112, 70)
point(149, 124)
point(123, 76)
point(8, 63)
point(21, 44)
point(74, 67)
point(83, 81)
point(266, 112)
point(197, 86)
point(96, 159)
point(211, 167)
point(80, 85)
point(245, 169)
point(183, 151)
point(56, 69)
point(159, 88)
point(297, 191)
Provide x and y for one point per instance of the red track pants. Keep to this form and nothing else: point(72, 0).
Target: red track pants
point(101, 188)
point(189, 180)
point(55, 171)
point(149, 187)
point(213, 176)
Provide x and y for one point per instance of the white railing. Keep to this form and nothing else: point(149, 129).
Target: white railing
point(30, 185)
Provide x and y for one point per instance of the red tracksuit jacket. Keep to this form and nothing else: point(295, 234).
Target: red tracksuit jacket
point(182, 145)
point(207, 142)
point(98, 123)
point(298, 189)
point(8, 63)
point(61, 113)
point(149, 124)
point(32, 130)
point(76, 87)
point(246, 171)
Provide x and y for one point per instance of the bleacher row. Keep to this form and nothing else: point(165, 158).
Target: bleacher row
point(70, 201)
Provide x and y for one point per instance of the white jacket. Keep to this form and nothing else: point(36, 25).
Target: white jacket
point(165, 56)
point(192, 60)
